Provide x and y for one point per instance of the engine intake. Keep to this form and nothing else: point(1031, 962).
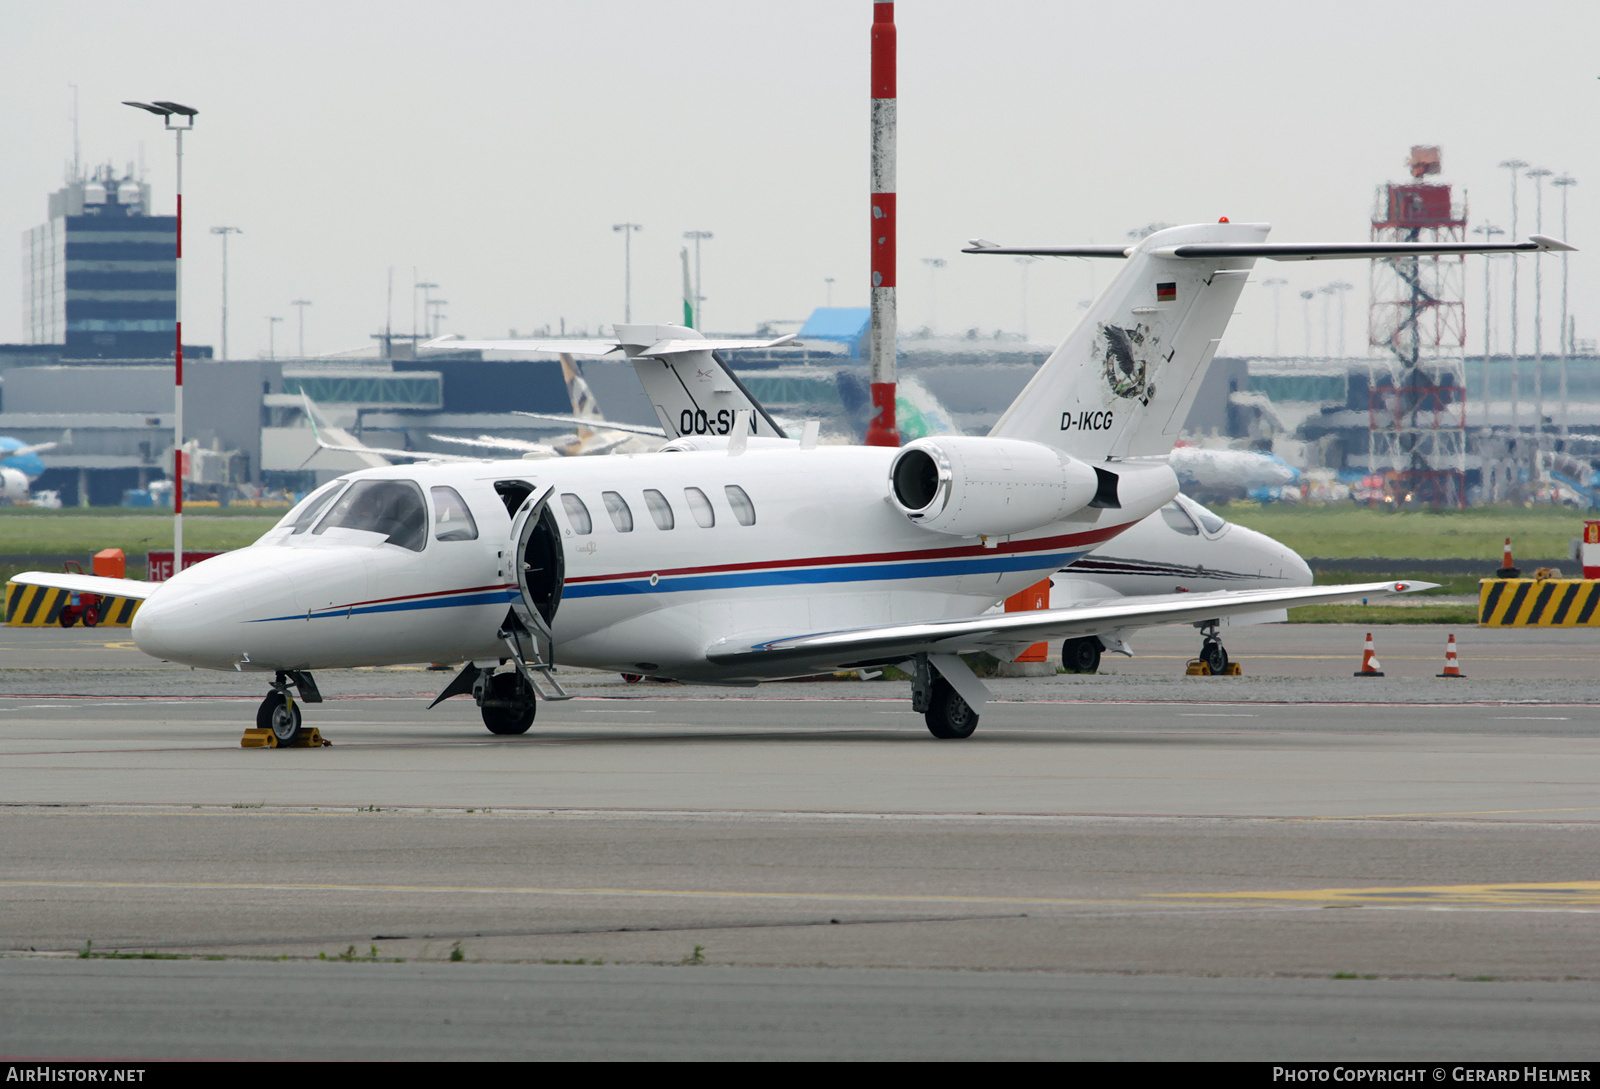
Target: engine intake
point(972, 486)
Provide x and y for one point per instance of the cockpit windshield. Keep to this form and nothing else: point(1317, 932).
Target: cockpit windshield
point(1209, 522)
point(305, 512)
point(394, 508)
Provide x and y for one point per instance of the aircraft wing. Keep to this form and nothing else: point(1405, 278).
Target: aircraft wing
point(20, 451)
point(896, 642)
point(87, 584)
point(597, 425)
point(414, 455)
point(489, 442)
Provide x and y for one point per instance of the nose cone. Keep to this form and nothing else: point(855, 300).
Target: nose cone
point(195, 617)
point(1274, 560)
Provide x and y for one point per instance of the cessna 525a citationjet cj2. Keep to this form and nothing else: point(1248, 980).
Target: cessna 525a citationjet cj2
point(733, 556)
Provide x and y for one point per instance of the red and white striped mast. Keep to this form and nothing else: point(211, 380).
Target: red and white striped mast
point(185, 115)
point(882, 429)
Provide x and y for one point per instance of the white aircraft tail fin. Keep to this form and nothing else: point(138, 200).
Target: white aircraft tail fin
point(1122, 383)
point(692, 390)
point(584, 406)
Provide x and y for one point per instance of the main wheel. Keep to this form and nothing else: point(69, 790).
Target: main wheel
point(1081, 655)
point(1214, 656)
point(948, 715)
point(509, 720)
point(281, 716)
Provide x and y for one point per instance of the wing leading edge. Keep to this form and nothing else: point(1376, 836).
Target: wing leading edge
point(896, 642)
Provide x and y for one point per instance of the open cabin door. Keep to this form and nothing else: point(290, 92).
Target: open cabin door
point(538, 562)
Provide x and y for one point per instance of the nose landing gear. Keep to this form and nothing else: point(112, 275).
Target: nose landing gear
point(278, 719)
point(1213, 660)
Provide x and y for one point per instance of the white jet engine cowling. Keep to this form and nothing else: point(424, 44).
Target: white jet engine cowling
point(972, 486)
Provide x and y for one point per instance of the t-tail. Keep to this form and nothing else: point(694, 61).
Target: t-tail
point(1122, 383)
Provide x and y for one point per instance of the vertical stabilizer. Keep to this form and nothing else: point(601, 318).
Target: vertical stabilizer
point(1122, 383)
point(693, 392)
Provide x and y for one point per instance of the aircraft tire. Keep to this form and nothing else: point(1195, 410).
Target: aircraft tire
point(1214, 656)
point(509, 720)
point(948, 716)
point(280, 716)
point(1081, 655)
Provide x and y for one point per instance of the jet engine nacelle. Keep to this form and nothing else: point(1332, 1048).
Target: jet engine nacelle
point(13, 485)
point(972, 486)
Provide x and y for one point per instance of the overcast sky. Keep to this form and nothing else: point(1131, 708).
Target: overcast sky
point(492, 146)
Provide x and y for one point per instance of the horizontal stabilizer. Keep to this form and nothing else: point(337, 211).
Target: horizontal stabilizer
point(87, 584)
point(596, 424)
point(1287, 251)
point(654, 347)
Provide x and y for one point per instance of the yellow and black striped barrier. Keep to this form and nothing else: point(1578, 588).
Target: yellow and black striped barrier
point(1539, 603)
point(37, 606)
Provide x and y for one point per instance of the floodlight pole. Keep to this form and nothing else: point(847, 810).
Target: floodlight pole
point(225, 232)
point(1514, 165)
point(1538, 174)
point(186, 115)
point(300, 305)
point(272, 343)
point(1275, 282)
point(627, 230)
point(1488, 230)
point(1565, 181)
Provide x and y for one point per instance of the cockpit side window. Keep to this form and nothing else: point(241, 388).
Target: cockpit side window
point(306, 511)
point(1178, 518)
point(1209, 522)
point(452, 521)
point(393, 508)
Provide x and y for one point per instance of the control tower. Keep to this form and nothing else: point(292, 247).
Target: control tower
point(1417, 318)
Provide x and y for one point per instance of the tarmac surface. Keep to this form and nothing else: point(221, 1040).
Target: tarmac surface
point(1293, 864)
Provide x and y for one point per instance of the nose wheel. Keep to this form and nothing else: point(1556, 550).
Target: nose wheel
point(278, 720)
point(279, 715)
point(1213, 660)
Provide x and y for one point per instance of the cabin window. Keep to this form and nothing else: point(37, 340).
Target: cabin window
point(743, 509)
point(393, 508)
point(452, 521)
point(577, 514)
point(1178, 518)
point(305, 513)
point(700, 507)
point(617, 507)
point(659, 508)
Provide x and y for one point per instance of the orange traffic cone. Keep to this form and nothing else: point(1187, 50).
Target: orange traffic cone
point(1369, 661)
point(1508, 570)
point(1452, 668)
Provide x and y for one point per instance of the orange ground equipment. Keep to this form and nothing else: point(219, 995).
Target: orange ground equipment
point(1452, 667)
point(1036, 596)
point(1369, 661)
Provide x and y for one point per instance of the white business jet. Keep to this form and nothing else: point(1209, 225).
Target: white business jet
point(734, 556)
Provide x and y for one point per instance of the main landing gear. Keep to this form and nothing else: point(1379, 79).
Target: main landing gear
point(508, 702)
point(949, 717)
point(278, 719)
point(1081, 655)
point(1213, 660)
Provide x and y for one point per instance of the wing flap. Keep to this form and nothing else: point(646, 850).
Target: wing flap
point(893, 642)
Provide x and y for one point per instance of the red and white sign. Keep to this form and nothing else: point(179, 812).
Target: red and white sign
point(158, 565)
point(1591, 550)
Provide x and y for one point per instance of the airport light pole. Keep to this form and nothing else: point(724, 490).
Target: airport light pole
point(435, 305)
point(300, 305)
point(1566, 181)
point(828, 280)
point(185, 116)
point(225, 232)
point(1306, 313)
point(627, 230)
point(272, 343)
point(1275, 282)
point(1023, 263)
point(1538, 174)
point(699, 299)
point(1337, 287)
point(1514, 165)
point(1488, 230)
